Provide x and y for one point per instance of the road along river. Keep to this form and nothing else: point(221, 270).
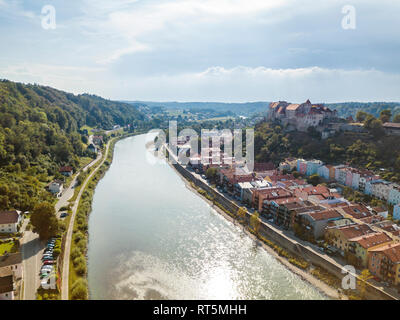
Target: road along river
point(150, 237)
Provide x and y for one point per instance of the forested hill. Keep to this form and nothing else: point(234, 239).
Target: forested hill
point(39, 133)
point(347, 109)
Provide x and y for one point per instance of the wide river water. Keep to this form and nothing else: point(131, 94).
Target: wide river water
point(150, 237)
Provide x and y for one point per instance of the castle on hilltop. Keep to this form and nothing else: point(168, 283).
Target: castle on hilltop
point(301, 116)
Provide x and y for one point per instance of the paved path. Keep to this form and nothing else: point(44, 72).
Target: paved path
point(67, 248)
point(69, 192)
point(31, 248)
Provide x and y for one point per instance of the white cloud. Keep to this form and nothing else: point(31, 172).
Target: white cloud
point(252, 84)
point(128, 23)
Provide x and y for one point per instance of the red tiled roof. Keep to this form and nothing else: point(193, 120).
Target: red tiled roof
point(66, 169)
point(357, 211)
point(372, 239)
point(325, 215)
point(354, 231)
point(8, 217)
point(264, 166)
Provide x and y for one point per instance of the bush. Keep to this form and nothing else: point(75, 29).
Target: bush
point(79, 290)
point(75, 253)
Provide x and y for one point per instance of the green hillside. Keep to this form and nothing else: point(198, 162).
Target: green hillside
point(39, 133)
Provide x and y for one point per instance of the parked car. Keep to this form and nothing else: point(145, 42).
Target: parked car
point(45, 268)
point(63, 215)
point(48, 262)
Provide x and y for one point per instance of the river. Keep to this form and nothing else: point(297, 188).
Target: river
point(150, 237)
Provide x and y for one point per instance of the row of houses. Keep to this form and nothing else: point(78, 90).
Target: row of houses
point(361, 180)
point(361, 235)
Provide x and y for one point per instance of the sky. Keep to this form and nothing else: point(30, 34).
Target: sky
point(206, 50)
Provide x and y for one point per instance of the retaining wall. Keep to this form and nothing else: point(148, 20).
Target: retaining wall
point(287, 243)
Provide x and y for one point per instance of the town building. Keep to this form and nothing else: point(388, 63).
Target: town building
point(9, 221)
point(98, 140)
point(13, 262)
point(392, 128)
point(394, 194)
point(56, 187)
point(316, 222)
point(7, 286)
point(360, 247)
point(66, 171)
point(288, 165)
point(262, 197)
point(339, 237)
point(396, 212)
point(300, 116)
point(384, 262)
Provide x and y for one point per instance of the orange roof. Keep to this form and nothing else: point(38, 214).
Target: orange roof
point(357, 211)
point(325, 215)
point(354, 231)
point(372, 239)
point(292, 107)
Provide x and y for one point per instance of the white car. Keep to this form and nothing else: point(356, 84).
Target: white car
point(46, 268)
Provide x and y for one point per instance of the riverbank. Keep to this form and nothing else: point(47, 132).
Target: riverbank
point(77, 288)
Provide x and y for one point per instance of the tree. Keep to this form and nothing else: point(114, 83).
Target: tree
point(44, 220)
point(396, 118)
point(241, 213)
point(315, 179)
point(211, 173)
point(255, 221)
point(361, 116)
point(374, 126)
point(385, 115)
point(362, 282)
point(79, 290)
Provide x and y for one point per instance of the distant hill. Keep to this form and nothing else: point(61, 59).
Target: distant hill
point(347, 109)
point(243, 109)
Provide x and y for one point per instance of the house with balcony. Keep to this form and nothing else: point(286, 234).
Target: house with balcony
point(339, 237)
point(313, 166)
point(379, 189)
point(359, 248)
point(394, 194)
point(316, 222)
point(384, 262)
point(262, 198)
